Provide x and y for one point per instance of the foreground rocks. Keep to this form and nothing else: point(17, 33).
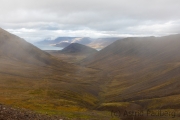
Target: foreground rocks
point(9, 113)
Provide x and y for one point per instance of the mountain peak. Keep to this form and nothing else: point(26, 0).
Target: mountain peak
point(76, 48)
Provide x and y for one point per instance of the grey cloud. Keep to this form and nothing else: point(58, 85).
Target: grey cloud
point(98, 17)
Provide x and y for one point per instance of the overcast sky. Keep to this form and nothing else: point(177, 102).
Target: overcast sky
point(36, 20)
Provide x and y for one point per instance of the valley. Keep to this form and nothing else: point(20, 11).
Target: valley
point(130, 74)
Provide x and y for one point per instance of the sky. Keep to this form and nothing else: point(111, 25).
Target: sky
point(36, 20)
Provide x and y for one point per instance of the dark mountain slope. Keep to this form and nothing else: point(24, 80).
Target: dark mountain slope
point(16, 48)
point(148, 47)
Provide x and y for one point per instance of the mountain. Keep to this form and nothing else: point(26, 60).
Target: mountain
point(138, 70)
point(102, 42)
point(98, 43)
point(76, 48)
point(63, 41)
point(33, 79)
point(82, 40)
point(62, 44)
point(15, 48)
point(55, 41)
point(131, 74)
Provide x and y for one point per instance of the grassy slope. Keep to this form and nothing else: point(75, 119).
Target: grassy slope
point(144, 71)
point(50, 89)
point(35, 80)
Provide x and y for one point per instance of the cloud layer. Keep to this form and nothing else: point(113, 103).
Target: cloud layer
point(35, 20)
